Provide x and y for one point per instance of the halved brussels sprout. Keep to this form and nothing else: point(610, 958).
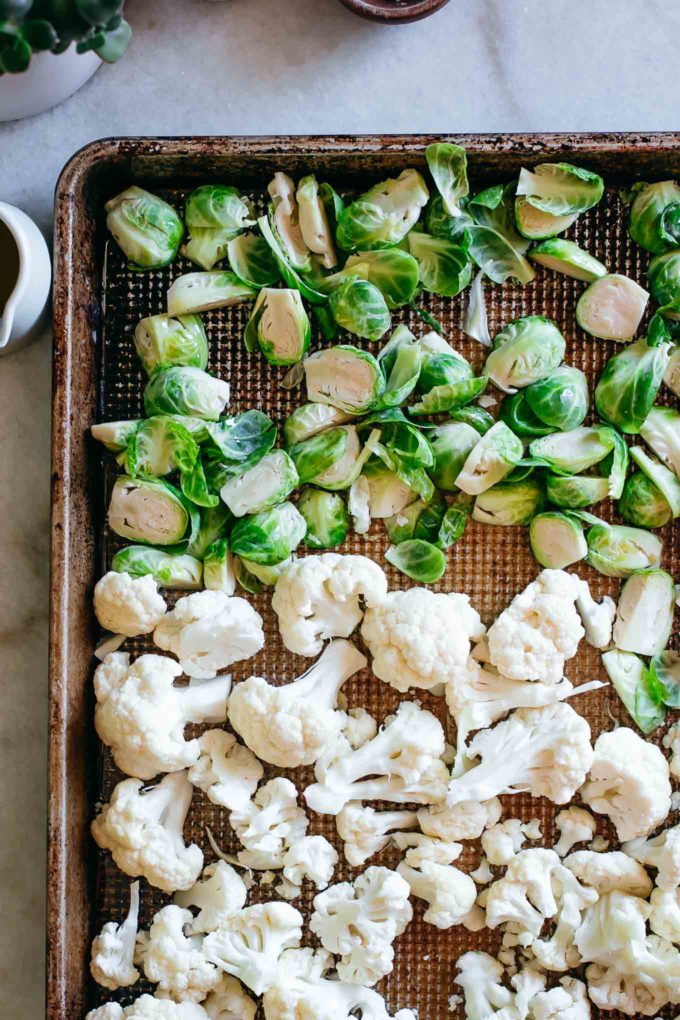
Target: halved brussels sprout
point(519, 417)
point(114, 435)
point(383, 216)
point(393, 271)
point(251, 259)
point(448, 165)
point(509, 503)
point(168, 569)
point(146, 228)
point(269, 537)
point(617, 551)
point(525, 351)
point(643, 504)
point(214, 523)
point(572, 492)
point(269, 482)
point(631, 681)
point(566, 257)
point(285, 220)
point(359, 307)
point(344, 376)
point(644, 617)
point(560, 188)
point(199, 292)
point(158, 447)
point(443, 369)
point(626, 390)
point(573, 451)
point(310, 419)
point(161, 341)
point(218, 568)
point(319, 453)
point(214, 214)
point(387, 493)
point(557, 540)
point(661, 431)
point(417, 520)
point(444, 266)
point(495, 245)
point(280, 326)
point(421, 561)
point(291, 276)
point(561, 400)
point(314, 226)
point(186, 391)
point(450, 396)
point(490, 460)
point(346, 469)
point(663, 478)
point(455, 520)
point(326, 516)
point(476, 324)
point(538, 225)
point(611, 308)
point(664, 282)
point(151, 511)
point(655, 216)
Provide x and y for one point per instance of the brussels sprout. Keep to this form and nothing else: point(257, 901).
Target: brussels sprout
point(114, 435)
point(537, 225)
point(615, 465)
point(326, 516)
point(251, 260)
point(643, 504)
point(476, 324)
point(152, 512)
point(561, 400)
point(560, 188)
point(314, 226)
point(617, 551)
point(158, 447)
point(344, 376)
point(245, 579)
point(665, 671)
point(571, 492)
point(214, 523)
point(631, 681)
point(218, 568)
point(443, 369)
point(268, 574)
point(611, 308)
point(644, 618)
point(433, 343)
point(525, 351)
point(495, 208)
point(490, 460)
point(573, 451)
point(168, 569)
point(509, 503)
point(664, 282)
point(346, 469)
point(284, 218)
point(403, 375)
point(383, 215)
point(557, 540)
point(422, 561)
point(495, 245)
point(628, 386)
point(359, 307)
point(387, 493)
point(268, 537)
point(672, 374)
point(417, 520)
point(450, 396)
point(161, 341)
point(406, 463)
point(448, 166)
point(214, 215)
point(444, 266)
point(332, 203)
point(200, 292)
point(440, 224)
point(280, 326)
point(317, 454)
point(480, 419)
point(663, 478)
point(394, 272)
point(182, 390)
point(519, 417)
point(287, 269)
point(566, 257)
point(310, 419)
point(661, 431)
point(146, 228)
point(455, 520)
point(655, 216)
point(241, 441)
point(269, 482)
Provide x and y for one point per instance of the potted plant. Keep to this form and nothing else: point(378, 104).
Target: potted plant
point(49, 48)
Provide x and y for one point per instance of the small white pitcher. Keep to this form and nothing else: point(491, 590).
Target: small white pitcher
point(28, 272)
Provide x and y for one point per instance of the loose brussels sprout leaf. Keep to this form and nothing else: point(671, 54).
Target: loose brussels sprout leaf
point(655, 216)
point(243, 440)
point(417, 520)
point(344, 376)
point(199, 292)
point(332, 203)
point(480, 419)
point(267, 574)
point(358, 506)
point(628, 386)
point(448, 166)
point(168, 569)
point(269, 482)
point(444, 266)
point(519, 417)
point(218, 568)
point(268, 537)
point(571, 492)
point(287, 269)
point(292, 379)
point(440, 224)
point(326, 516)
point(630, 679)
point(617, 551)
point(495, 245)
point(403, 377)
point(561, 400)
point(560, 188)
point(664, 282)
point(455, 521)
point(615, 464)
point(401, 337)
point(314, 226)
point(245, 579)
point(525, 351)
point(114, 435)
point(419, 560)
point(161, 341)
point(412, 474)
point(251, 259)
point(433, 343)
point(663, 478)
point(644, 617)
point(443, 369)
point(611, 308)
point(573, 451)
point(195, 486)
point(214, 214)
point(394, 272)
point(509, 503)
point(384, 215)
point(214, 523)
point(661, 431)
point(284, 219)
point(158, 447)
point(186, 391)
point(317, 454)
point(310, 419)
point(401, 437)
point(346, 469)
point(566, 257)
point(490, 460)
point(665, 671)
point(643, 504)
point(387, 493)
point(280, 325)
point(476, 324)
point(450, 396)
point(557, 540)
point(537, 225)
point(152, 512)
point(359, 307)
point(495, 208)
point(146, 228)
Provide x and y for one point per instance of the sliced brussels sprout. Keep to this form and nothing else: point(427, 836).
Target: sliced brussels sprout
point(455, 520)
point(655, 216)
point(537, 225)
point(642, 504)
point(573, 451)
point(186, 391)
point(566, 257)
point(218, 568)
point(269, 482)
point(383, 216)
point(268, 537)
point(146, 228)
point(313, 456)
point(214, 524)
point(150, 511)
point(344, 376)
point(358, 505)
point(661, 431)
point(285, 220)
point(561, 400)
point(440, 223)
point(214, 215)
point(310, 419)
point(665, 480)
point(495, 245)
point(490, 460)
point(611, 308)
point(519, 417)
point(560, 188)
point(114, 435)
point(443, 369)
point(359, 307)
point(665, 671)
point(664, 282)
point(615, 465)
point(525, 351)
point(421, 561)
point(617, 551)
point(403, 375)
point(314, 226)
point(509, 503)
point(387, 493)
point(291, 276)
point(251, 259)
point(444, 266)
point(476, 324)
point(393, 271)
point(417, 520)
point(571, 492)
point(346, 469)
point(199, 292)
point(448, 165)
point(450, 396)
point(158, 447)
point(557, 540)
point(644, 618)
point(326, 516)
point(280, 326)
point(168, 569)
point(161, 341)
point(626, 390)
point(630, 679)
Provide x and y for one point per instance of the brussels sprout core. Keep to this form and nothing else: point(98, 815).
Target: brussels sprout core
point(344, 376)
point(557, 540)
point(611, 308)
point(269, 482)
point(147, 511)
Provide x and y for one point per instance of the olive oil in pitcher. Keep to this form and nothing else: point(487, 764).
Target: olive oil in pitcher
point(9, 264)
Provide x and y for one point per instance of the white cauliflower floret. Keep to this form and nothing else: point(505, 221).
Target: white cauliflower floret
point(109, 1011)
point(141, 715)
point(575, 826)
point(143, 831)
point(671, 741)
point(609, 989)
point(208, 631)
point(175, 961)
point(359, 726)
point(128, 605)
point(359, 921)
point(567, 1002)
point(597, 617)
point(545, 751)
point(113, 950)
point(311, 857)
point(629, 782)
point(219, 894)
point(366, 831)
point(421, 848)
point(420, 638)
point(269, 824)
point(465, 820)
point(401, 764)
point(662, 853)
point(249, 945)
point(502, 841)
point(149, 1008)
point(479, 975)
point(226, 771)
point(608, 871)
point(539, 630)
point(229, 1001)
point(317, 598)
point(290, 725)
point(449, 892)
point(664, 918)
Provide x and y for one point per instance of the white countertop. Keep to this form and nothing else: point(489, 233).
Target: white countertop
point(267, 67)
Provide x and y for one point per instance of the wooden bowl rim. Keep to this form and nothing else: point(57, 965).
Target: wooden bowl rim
point(391, 13)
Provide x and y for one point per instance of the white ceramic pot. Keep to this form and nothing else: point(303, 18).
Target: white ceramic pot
point(49, 80)
point(26, 310)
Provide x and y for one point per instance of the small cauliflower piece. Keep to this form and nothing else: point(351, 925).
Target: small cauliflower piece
point(664, 918)
point(662, 852)
point(502, 841)
point(208, 631)
point(113, 950)
point(608, 989)
point(449, 892)
point(575, 826)
point(366, 831)
point(229, 1001)
point(149, 1008)
point(479, 975)
point(629, 782)
point(175, 961)
point(269, 824)
point(317, 598)
point(226, 771)
point(597, 617)
point(464, 820)
point(248, 945)
point(359, 726)
point(569, 1001)
point(109, 1011)
point(311, 857)
point(605, 872)
point(128, 605)
point(420, 638)
point(421, 848)
point(219, 894)
point(671, 742)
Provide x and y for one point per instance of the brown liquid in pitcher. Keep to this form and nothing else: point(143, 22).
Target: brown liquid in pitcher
point(9, 264)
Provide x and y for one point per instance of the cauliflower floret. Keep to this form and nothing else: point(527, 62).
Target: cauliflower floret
point(449, 892)
point(608, 871)
point(143, 831)
point(109, 1011)
point(597, 617)
point(174, 961)
point(671, 741)
point(421, 848)
point(290, 725)
point(539, 630)
point(229, 1001)
point(219, 894)
point(465, 820)
point(141, 715)
point(128, 605)
point(311, 857)
point(502, 841)
point(401, 764)
point(208, 631)
point(545, 751)
point(568, 1002)
point(366, 831)
point(113, 950)
point(662, 853)
point(479, 975)
point(359, 921)
point(420, 638)
point(629, 782)
point(664, 918)
point(317, 598)
point(359, 726)
point(249, 945)
point(226, 770)
point(269, 824)
point(608, 989)
point(575, 826)
point(149, 1008)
